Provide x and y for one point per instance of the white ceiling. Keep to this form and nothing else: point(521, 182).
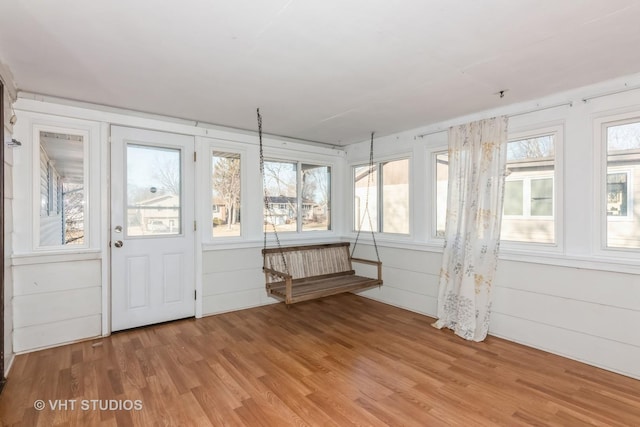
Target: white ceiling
point(320, 70)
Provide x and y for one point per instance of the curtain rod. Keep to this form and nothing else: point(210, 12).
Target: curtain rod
point(521, 113)
point(626, 89)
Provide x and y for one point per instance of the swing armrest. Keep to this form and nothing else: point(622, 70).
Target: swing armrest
point(288, 282)
point(370, 262)
point(271, 271)
point(366, 261)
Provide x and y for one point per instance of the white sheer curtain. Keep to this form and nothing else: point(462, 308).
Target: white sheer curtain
point(477, 163)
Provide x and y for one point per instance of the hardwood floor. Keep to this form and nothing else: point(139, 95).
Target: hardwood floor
point(338, 361)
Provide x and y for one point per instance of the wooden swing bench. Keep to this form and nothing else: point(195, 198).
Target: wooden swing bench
point(301, 273)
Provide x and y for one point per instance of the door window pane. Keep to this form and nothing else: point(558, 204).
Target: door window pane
point(153, 191)
point(62, 189)
point(623, 185)
point(225, 185)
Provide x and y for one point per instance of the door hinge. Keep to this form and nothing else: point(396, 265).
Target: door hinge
point(195, 294)
point(195, 155)
point(195, 226)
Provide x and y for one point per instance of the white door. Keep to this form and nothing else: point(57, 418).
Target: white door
point(152, 222)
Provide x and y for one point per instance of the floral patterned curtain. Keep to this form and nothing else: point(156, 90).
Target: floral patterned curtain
point(477, 164)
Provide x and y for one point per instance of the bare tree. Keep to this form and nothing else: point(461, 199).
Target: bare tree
point(623, 137)
point(533, 148)
point(280, 178)
point(167, 172)
point(226, 186)
point(73, 212)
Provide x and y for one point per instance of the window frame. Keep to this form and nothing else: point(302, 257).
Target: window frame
point(601, 155)
point(379, 163)
point(557, 246)
point(89, 184)
point(555, 129)
point(433, 164)
point(219, 146)
point(300, 231)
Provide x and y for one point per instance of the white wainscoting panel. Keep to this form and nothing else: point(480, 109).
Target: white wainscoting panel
point(56, 303)
point(232, 280)
point(587, 315)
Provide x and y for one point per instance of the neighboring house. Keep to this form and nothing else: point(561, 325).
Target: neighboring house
point(528, 212)
point(282, 210)
point(158, 214)
point(623, 198)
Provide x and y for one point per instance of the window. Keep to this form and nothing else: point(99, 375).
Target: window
point(316, 185)
point(62, 184)
point(298, 196)
point(441, 180)
point(529, 192)
point(528, 212)
point(225, 184)
point(391, 213)
point(622, 183)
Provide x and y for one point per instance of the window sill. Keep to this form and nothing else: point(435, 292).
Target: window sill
point(553, 258)
point(286, 239)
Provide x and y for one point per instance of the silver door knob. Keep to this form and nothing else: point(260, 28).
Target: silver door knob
point(118, 243)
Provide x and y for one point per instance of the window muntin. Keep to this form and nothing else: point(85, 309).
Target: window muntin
point(62, 189)
point(225, 197)
point(298, 196)
point(622, 184)
point(388, 203)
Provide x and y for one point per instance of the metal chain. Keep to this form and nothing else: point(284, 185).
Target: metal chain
point(268, 207)
point(366, 206)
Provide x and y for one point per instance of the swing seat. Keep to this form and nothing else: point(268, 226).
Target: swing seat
point(314, 271)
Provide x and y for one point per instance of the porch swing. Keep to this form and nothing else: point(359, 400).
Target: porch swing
point(300, 273)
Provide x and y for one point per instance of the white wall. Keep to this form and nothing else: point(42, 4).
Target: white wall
point(574, 298)
point(9, 96)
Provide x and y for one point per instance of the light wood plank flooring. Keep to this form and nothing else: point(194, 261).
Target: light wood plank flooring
point(339, 361)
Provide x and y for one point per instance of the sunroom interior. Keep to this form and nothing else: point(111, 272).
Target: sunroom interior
point(140, 160)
